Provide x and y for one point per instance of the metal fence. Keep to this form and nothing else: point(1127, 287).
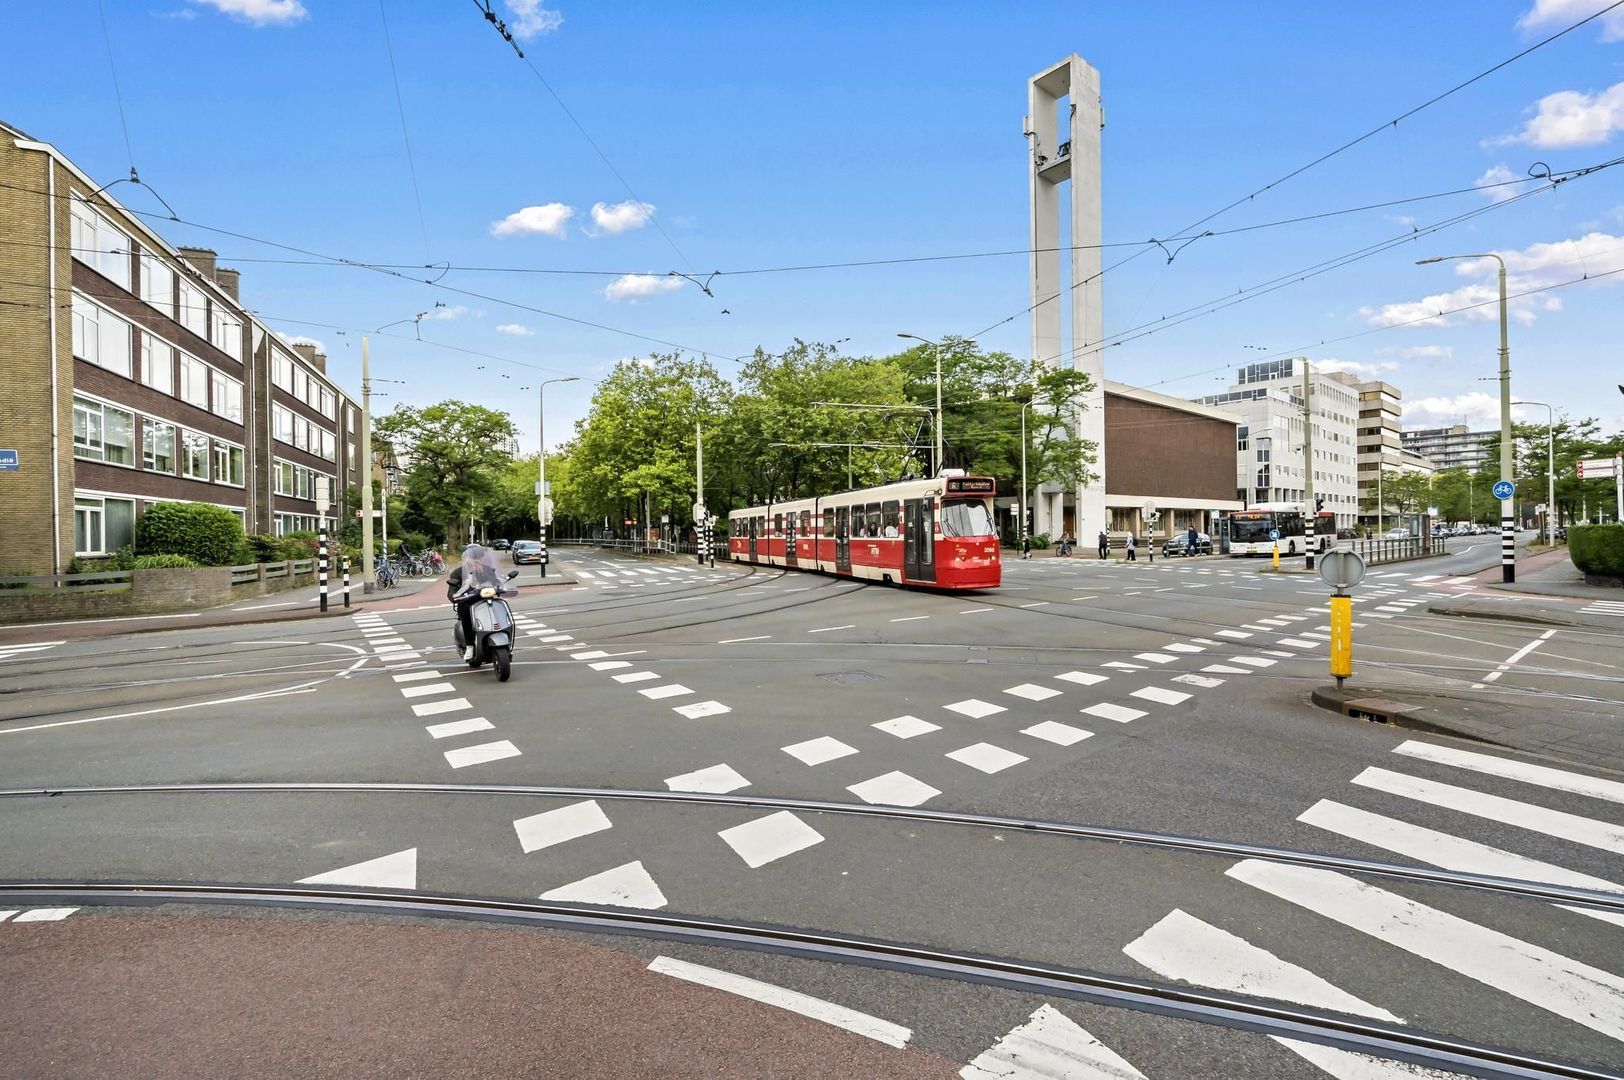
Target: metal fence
point(101, 581)
point(1390, 550)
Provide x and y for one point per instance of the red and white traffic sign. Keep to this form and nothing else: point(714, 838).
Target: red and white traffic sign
point(1598, 468)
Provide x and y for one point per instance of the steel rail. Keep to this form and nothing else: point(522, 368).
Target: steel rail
point(1533, 890)
point(1202, 1006)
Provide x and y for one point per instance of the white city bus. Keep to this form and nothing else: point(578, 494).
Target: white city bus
point(1250, 529)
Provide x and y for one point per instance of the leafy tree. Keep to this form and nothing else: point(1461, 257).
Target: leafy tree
point(1402, 492)
point(456, 451)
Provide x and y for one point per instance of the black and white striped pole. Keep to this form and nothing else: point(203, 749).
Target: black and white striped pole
point(323, 565)
point(346, 561)
point(544, 548)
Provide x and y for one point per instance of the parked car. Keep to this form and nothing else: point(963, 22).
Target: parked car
point(1398, 534)
point(1179, 544)
point(525, 551)
point(1561, 533)
point(1347, 534)
point(501, 545)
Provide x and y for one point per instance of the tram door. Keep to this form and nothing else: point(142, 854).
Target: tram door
point(753, 539)
point(789, 540)
point(918, 554)
point(843, 540)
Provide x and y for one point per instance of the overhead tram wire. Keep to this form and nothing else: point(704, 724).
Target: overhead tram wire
point(118, 93)
point(1328, 155)
point(406, 135)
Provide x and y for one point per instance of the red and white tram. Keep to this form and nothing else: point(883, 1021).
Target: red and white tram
point(937, 533)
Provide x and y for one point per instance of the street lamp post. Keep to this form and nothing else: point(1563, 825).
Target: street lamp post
point(1508, 534)
point(1550, 466)
point(541, 457)
point(936, 349)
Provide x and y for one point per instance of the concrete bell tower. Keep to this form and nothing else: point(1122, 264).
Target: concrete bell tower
point(1064, 146)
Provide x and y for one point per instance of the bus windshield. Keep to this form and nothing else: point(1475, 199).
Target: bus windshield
point(1250, 528)
point(966, 519)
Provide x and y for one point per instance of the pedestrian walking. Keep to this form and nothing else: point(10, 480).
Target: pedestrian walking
point(1026, 547)
point(1190, 545)
point(1105, 544)
point(1131, 556)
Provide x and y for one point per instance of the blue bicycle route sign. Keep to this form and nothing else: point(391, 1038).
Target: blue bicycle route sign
point(1274, 534)
point(8, 461)
point(1503, 489)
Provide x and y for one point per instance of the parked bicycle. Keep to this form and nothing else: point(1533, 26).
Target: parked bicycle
point(385, 573)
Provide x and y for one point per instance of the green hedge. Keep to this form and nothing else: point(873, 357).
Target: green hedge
point(162, 562)
point(208, 535)
point(1597, 549)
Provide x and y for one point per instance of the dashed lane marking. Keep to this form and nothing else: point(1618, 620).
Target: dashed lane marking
point(986, 757)
point(828, 1012)
point(558, 826)
point(770, 838)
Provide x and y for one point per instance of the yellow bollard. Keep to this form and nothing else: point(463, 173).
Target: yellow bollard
point(1341, 637)
point(1277, 556)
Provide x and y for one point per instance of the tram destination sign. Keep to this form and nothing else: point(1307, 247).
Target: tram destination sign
point(971, 485)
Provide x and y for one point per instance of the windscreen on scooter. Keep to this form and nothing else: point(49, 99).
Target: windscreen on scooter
point(479, 568)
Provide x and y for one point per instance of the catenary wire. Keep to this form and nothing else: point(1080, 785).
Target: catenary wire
point(405, 133)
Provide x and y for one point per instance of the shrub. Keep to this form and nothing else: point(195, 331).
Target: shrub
point(1041, 541)
point(1597, 549)
point(208, 535)
point(264, 547)
point(162, 562)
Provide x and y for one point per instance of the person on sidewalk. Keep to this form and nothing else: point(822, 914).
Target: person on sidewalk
point(1026, 547)
point(1190, 542)
point(1105, 544)
point(1131, 542)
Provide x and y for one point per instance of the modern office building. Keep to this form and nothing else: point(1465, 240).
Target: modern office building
point(1380, 447)
point(1267, 403)
point(134, 375)
point(1452, 447)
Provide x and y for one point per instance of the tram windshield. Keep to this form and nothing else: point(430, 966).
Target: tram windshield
point(966, 519)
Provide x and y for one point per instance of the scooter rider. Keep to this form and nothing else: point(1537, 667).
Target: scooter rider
point(462, 587)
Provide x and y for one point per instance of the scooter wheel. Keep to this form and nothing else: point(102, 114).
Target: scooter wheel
point(504, 663)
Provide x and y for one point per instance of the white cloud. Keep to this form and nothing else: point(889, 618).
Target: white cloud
point(1428, 352)
point(548, 219)
point(637, 286)
point(1555, 14)
point(445, 314)
point(1476, 410)
point(1534, 267)
point(1497, 174)
point(302, 339)
point(621, 217)
point(1570, 118)
point(527, 19)
point(259, 12)
point(515, 329)
point(1358, 368)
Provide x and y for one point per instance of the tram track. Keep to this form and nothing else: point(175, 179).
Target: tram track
point(1216, 1008)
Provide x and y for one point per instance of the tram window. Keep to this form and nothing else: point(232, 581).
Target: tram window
point(873, 515)
point(778, 524)
point(888, 518)
point(927, 549)
point(828, 523)
point(806, 522)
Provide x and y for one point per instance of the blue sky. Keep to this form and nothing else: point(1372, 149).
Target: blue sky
point(765, 135)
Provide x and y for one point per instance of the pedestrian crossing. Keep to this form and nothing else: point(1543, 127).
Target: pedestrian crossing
point(1612, 608)
point(24, 650)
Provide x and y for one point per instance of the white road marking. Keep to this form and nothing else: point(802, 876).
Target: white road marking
point(911, 618)
point(817, 751)
point(1233, 634)
point(1057, 733)
point(1036, 603)
point(1082, 678)
point(635, 676)
point(1545, 979)
point(624, 886)
point(1049, 1046)
point(425, 691)
point(44, 914)
point(815, 1008)
point(1107, 711)
point(737, 640)
point(827, 629)
point(702, 708)
point(1254, 661)
point(418, 676)
point(894, 789)
point(655, 693)
point(1203, 681)
point(459, 727)
point(770, 838)
point(715, 780)
point(1032, 692)
point(1225, 669)
point(974, 708)
point(1580, 830)
point(482, 754)
point(610, 665)
point(906, 727)
point(1155, 658)
point(986, 757)
point(1180, 647)
point(566, 823)
point(432, 708)
point(1161, 695)
point(1298, 643)
point(972, 611)
point(1544, 776)
point(397, 871)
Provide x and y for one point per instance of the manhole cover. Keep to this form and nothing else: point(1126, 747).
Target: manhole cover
point(850, 678)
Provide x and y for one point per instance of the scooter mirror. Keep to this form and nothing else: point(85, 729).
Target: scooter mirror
point(512, 574)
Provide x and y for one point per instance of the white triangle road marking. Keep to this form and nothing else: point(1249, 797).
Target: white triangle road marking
point(397, 871)
point(1047, 1046)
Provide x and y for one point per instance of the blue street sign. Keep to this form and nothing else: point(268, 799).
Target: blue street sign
point(1274, 534)
point(1503, 489)
point(8, 461)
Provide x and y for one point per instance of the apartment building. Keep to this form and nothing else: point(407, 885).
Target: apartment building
point(1267, 402)
point(134, 376)
point(1381, 448)
point(1454, 447)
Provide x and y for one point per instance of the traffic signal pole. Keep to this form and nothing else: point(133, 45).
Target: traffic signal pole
point(1310, 515)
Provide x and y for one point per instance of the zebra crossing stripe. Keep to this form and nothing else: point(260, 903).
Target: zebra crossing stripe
point(1545, 979)
point(1565, 826)
point(1542, 775)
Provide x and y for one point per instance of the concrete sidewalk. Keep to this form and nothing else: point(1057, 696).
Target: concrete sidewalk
point(1549, 591)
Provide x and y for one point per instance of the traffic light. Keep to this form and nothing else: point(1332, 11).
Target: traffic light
point(1319, 504)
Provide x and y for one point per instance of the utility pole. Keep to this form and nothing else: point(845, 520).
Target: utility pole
point(1310, 516)
point(700, 515)
point(368, 577)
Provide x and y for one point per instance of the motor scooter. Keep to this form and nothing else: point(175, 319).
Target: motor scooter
point(493, 629)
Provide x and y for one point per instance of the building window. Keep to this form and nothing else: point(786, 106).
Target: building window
point(100, 337)
point(194, 381)
point(99, 245)
point(157, 445)
point(157, 364)
point(225, 333)
point(227, 396)
point(329, 446)
point(158, 284)
point(282, 371)
point(282, 423)
point(103, 432)
point(102, 525)
point(194, 455)
point(87, 429)
point(194, 311)
point(301, 384)
point(227, 464)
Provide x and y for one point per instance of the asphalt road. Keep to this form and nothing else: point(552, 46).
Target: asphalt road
point(1169, 697)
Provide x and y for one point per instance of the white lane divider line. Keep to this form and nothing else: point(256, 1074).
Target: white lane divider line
point(911, 618)
point(827, 629)
point(827, 1012)
point(737, 640)
point(1049, 1044)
